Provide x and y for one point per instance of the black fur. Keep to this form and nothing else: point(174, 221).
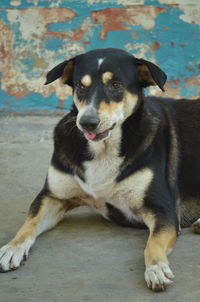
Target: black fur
point(118, 217)
point(70, 146)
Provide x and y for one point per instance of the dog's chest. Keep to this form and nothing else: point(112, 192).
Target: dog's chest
point(100, 175)
point(105, 193)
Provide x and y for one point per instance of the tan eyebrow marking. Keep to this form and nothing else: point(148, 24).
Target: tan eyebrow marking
point(86, 80)
point(107, 76)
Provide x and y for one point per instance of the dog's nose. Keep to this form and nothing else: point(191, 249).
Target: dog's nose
point(89, 123)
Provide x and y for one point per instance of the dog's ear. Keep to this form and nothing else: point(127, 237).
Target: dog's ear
point(63, 70)
point(150, 74)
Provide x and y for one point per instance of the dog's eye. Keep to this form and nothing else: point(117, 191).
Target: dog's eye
point(116, 85)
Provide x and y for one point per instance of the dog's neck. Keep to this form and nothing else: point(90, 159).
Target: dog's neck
point(135, 130)
point(109, 145)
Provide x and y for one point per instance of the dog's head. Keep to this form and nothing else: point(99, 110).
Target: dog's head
point(107, 85)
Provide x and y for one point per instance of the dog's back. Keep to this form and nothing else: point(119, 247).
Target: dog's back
point(184, 120)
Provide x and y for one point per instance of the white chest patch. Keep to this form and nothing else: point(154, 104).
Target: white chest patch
point(62, 185)
point(127, 195)
point(100, 175)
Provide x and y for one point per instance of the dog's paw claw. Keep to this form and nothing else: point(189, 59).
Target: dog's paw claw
point(159, 276)
point(11, 256)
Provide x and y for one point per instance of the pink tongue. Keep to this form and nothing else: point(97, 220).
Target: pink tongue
point(90, 135)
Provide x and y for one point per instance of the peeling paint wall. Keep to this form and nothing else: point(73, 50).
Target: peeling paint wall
point(35, 35)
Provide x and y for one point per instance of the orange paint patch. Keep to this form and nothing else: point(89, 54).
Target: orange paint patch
point(112, 19)
point(156, 45)
point(60, 34)
point(79, 33)
point(61, 104)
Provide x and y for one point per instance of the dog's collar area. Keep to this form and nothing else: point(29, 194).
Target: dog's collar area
point(98, 136)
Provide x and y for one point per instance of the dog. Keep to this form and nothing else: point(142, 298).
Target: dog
point(135, 159)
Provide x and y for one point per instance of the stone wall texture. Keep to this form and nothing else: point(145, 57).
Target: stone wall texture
point(35, 35)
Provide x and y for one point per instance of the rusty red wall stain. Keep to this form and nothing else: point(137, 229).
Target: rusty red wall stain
point(115, 18)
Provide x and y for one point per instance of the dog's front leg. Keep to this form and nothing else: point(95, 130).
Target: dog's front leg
point(161, 241)
point(45, 212)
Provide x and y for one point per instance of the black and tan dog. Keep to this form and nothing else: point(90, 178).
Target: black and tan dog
point(133, 158)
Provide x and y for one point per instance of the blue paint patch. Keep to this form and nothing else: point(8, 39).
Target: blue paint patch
point(3, 16)
point(111, 39)
point(153, 3)
point(31, 103)
point(53, 43)
point(64, 3)
point(189, 91)
point(27, 64)
point(177, 46)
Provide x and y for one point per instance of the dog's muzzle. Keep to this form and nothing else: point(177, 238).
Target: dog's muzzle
point(99, 136)
point(89, 123)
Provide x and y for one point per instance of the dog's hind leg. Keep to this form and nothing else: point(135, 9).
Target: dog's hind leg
point(196, 226)
point(45, 212)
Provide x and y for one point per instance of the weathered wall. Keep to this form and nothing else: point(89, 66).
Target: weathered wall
point(37, 34)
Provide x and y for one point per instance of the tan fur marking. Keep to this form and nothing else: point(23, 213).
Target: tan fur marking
point(145, 75)
point(67, 72)
point(31, 226)
point(140, 181)
point(26, 231)
point(62, 185)
point(109, 107)
point(130, 101)
point(149, 220)
point(86, 80)
point(34, 226)
point(159, 245)
point(107, 76)
point(79, 104)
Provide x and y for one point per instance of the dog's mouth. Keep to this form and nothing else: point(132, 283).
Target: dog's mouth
point(98, 136)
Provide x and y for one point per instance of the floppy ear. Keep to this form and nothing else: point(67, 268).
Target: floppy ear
point(63, 70)
point(150, 74)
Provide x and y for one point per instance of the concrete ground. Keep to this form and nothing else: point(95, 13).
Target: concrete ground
point(85, 258)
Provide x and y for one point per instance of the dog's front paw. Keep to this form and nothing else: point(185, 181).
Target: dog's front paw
point(12, 255)
point(158, 276)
